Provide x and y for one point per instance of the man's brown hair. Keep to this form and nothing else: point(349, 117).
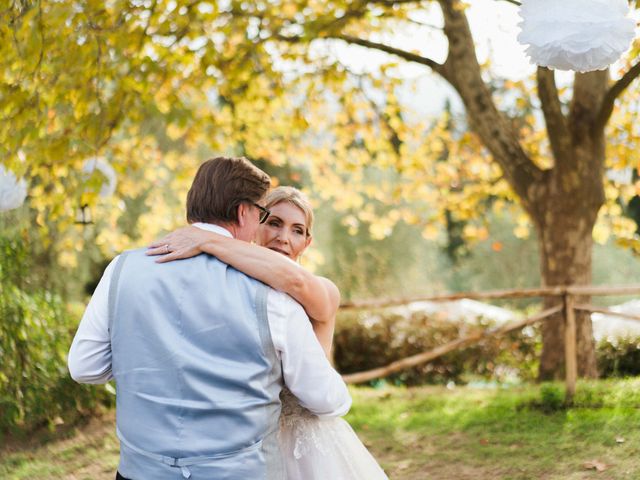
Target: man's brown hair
point(220, 185)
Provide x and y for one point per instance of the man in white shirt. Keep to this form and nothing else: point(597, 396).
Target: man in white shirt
point(199, 351)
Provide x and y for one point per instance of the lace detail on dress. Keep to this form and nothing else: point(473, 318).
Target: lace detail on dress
point(298, 421)
point(317, 448)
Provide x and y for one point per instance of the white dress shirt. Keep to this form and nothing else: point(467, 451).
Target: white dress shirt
point(305, 368)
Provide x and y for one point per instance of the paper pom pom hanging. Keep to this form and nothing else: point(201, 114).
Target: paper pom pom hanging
point(108, 187)
point(580, 35)
point(12, 191)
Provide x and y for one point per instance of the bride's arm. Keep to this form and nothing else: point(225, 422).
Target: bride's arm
point(319, 296)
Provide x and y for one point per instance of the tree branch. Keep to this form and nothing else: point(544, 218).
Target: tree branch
point(491, 125)
point(394, 137)
point(391, 3)
point(145, 30)
point(614, 92)
point(589, 91)
point(412, 57)
point(423, 24)
point(557, 127)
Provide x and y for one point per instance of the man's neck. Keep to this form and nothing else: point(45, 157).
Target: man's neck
point(229, 229)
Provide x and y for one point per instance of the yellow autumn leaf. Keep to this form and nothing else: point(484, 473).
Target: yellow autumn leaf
point(601, 233)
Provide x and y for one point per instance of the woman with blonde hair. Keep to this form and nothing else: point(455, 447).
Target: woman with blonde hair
point(313, 449)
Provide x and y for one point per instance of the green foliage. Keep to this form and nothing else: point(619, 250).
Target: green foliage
point(619, 357)
point(35, 335)
point(500, 261)
point(609, 393)
point(403, 263)
point(551, 397)
point(601, 394)
point(406, 264)
point(368, 340)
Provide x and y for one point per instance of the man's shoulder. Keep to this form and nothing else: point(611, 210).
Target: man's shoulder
point(280, 296)
point(132, 252)
point(283, 302)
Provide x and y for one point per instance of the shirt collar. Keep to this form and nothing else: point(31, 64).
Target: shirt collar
point(210, 227)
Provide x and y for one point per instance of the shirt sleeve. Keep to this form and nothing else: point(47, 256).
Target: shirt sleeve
point(305, 367)
point(89, 358)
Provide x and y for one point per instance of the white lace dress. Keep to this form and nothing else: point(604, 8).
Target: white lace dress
point(322, 448)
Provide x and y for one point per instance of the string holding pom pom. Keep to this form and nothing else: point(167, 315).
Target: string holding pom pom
point(108, 187)
point(579, 35)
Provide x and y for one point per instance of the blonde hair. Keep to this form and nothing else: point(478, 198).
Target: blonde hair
point(293, 196)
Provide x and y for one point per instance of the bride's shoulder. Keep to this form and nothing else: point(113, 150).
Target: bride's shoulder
point(333, 292)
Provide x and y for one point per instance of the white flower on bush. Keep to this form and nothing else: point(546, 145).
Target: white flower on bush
point(92, 164)
point(12, 191)
point(580, 35)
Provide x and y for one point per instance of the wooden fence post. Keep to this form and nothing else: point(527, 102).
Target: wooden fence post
point(570, 353)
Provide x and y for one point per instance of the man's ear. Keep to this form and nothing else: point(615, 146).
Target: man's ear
point(242, 212)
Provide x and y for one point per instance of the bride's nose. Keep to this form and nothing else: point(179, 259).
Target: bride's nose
point(283, 237)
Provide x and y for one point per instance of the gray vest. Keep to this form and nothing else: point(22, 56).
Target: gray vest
point(196, 372)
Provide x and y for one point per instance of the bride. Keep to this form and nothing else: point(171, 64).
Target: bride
point(313, 448)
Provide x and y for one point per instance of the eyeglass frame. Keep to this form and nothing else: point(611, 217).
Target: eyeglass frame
point(264, 212)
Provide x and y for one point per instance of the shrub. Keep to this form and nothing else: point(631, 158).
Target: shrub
point(551, 397)
point(35, 335)
point(619, 357)
point(366, 340)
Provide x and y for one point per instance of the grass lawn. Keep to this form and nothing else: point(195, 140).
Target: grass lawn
point(423, 433)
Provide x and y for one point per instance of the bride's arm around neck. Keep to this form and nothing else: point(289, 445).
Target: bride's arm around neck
point(319, 296)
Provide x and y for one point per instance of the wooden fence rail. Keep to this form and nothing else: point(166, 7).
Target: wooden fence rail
point(497, 294)
point(567, 305)
point(593, 309)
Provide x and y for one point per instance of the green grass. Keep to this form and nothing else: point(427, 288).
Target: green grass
point(420, 433)
point(471, 433)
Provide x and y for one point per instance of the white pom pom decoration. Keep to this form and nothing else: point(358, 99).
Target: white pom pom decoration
point(92, 164)
point(579, 35)
point(12, 191)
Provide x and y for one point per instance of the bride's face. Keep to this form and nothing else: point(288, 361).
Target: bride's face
point(285, 231)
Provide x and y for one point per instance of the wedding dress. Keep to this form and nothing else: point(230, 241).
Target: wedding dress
point(322, 448)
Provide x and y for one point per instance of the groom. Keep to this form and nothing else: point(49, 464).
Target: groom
point(199, 351)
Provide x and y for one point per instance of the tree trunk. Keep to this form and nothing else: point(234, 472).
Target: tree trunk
point(566, 210)
point(565, 223)
point(565, 256)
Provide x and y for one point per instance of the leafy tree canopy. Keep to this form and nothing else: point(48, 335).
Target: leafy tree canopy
point(146, 83)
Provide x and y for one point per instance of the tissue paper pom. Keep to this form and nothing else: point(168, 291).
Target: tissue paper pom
point(580, 35)
point(12, 191)
point(108, 187)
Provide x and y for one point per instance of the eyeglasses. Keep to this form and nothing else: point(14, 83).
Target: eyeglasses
point(264, 213)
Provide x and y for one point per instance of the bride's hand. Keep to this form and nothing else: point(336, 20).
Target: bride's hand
point(185, 242)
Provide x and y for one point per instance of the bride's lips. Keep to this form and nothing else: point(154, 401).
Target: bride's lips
point(279, 251)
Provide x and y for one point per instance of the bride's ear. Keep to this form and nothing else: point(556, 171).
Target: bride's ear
point(308, 241)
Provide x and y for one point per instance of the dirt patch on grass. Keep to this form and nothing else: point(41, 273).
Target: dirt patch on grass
point(408, 456)
point(87, 450)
